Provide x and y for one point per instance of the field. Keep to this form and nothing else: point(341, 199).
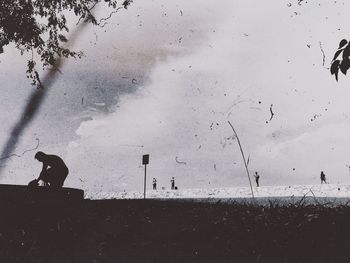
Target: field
point(172, 231)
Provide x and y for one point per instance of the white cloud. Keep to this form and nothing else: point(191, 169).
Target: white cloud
point(246, 64)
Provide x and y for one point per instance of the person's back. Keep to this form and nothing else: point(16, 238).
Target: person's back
point(54, 169)
point(55, 161)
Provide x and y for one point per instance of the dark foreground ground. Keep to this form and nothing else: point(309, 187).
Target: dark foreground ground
point(171, 231)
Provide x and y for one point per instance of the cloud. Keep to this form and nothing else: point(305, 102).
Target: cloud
point(179, 118)
point(236, 73)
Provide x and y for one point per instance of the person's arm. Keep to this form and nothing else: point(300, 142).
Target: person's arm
point(43, 171)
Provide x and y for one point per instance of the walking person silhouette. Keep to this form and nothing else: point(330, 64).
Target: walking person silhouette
point(154, 184)
point(172, 183)
point(257, 177)
point(323, 177)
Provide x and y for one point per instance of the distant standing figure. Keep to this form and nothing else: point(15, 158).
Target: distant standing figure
point(54, 171)
point(172, 183)
point(154, 184)
point(257, 177)
point(323, 178)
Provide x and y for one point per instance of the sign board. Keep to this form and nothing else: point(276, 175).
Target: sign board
point(145, 159)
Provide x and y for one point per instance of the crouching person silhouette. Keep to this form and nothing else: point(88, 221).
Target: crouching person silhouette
point(54, 170)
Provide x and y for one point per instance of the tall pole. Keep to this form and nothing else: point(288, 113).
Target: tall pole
point(244, 160)
point(144, 183)
point(145, 161)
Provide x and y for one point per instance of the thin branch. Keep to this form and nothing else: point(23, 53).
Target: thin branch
point(23, 153)
point(33, 149)
point(104, 19)
point(244, 160)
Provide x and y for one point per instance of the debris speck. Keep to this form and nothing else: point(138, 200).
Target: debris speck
point(323, 54)
point(180, 162)
point(272, 114)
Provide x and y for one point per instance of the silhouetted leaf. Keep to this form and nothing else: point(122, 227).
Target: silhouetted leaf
point(344, 65)
point(335, 69)
point(335, 66)
point(342, 43)
point(337, 54)
point(346, 52)
point(126, 3)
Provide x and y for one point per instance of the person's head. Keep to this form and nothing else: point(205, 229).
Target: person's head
point(256, 172)
point(40, 156)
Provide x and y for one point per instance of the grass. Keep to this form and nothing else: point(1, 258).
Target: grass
point(172, 231)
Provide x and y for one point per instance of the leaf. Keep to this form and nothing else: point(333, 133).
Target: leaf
point(344, 65)
point(337, 54)
point(336, 74)
point(335, 68)
point(346, 52)
point(126, 3)
point(342, 43)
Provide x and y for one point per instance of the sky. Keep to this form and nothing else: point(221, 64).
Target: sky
point(164, 78)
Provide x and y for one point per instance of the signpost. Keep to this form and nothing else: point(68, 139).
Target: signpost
point(145, 161)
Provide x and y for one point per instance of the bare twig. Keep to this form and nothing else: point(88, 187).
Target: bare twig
point(33, 149)
point(104, 19)
point(24, 152)
point(244, 160)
